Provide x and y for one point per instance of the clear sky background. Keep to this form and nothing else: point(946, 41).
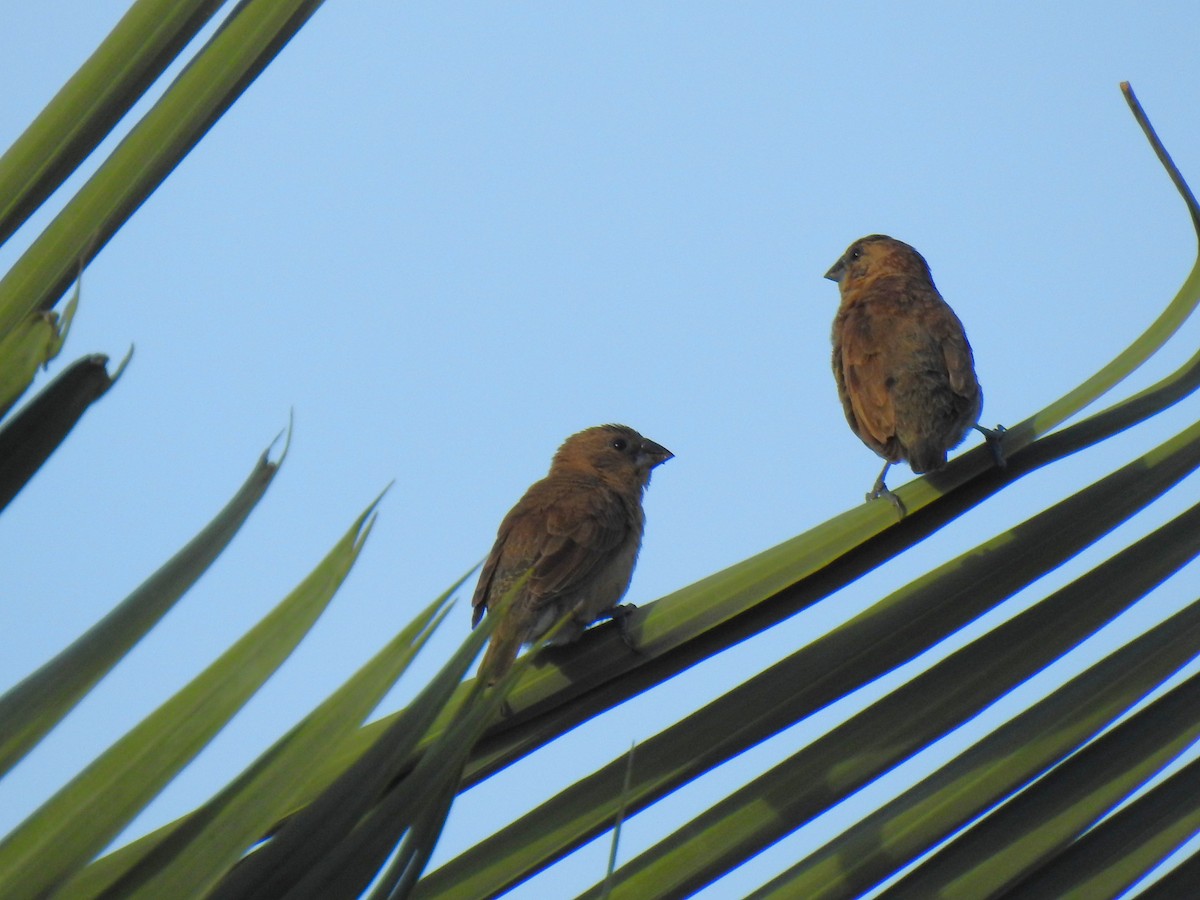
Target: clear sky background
point(449, 235)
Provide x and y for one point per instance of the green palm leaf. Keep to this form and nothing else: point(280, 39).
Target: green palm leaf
point(322, 810)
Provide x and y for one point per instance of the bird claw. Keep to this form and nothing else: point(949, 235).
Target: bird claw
point(880, 491)
point(620, 615)
point(994, 438)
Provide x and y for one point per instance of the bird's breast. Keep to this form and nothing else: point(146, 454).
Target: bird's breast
point(612, 581)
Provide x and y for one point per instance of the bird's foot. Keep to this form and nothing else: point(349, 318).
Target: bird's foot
point(620, 615)
point(881, 491)
point(994, 438)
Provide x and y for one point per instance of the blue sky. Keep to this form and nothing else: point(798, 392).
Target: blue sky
point(448, 236)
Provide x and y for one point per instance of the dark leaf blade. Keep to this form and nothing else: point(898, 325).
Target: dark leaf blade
point(30, 347)
point(1030, 829)
point(1181, 881)
point(882, 843)
point(1118, 852)
point(35, 431)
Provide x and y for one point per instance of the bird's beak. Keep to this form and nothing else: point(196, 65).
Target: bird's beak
point(835, 272)
point(653, 454)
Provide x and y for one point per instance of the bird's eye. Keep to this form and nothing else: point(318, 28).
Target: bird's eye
point(856, 253)
point(619, 444)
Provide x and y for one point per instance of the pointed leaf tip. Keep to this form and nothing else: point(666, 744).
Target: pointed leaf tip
point(120, 366)
point(286, 435)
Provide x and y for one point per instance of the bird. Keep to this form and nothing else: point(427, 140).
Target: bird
point(905, 372)
point(566, 551)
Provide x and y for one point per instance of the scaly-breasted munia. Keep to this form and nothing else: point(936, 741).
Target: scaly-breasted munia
point(577, 533)
point(904, 370)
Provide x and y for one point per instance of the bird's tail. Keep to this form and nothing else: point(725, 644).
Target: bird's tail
point(502, 650)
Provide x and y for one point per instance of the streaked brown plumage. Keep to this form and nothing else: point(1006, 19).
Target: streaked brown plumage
point(904, 370)
point(578, 532)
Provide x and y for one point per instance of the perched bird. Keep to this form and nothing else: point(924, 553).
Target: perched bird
point(577, 533)
point(904, 370)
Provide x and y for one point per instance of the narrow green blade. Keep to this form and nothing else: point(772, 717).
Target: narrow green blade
point(79, 821)
point(131, 57)
point(200, 849)
point(249, 38)
point(36, 704)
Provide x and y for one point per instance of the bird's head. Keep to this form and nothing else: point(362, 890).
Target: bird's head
point(875, 255)
point(616, 454)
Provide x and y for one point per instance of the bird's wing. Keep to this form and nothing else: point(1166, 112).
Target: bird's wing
point(564, 532)
point(584, 532)
point(864, 367)
point(487, 575)
point(960, 365)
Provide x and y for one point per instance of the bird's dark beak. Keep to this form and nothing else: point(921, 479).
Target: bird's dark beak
point(835, 273)
point(653, 454)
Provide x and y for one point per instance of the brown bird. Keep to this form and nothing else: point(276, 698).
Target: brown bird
point(904, 370)
point(577, 533)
